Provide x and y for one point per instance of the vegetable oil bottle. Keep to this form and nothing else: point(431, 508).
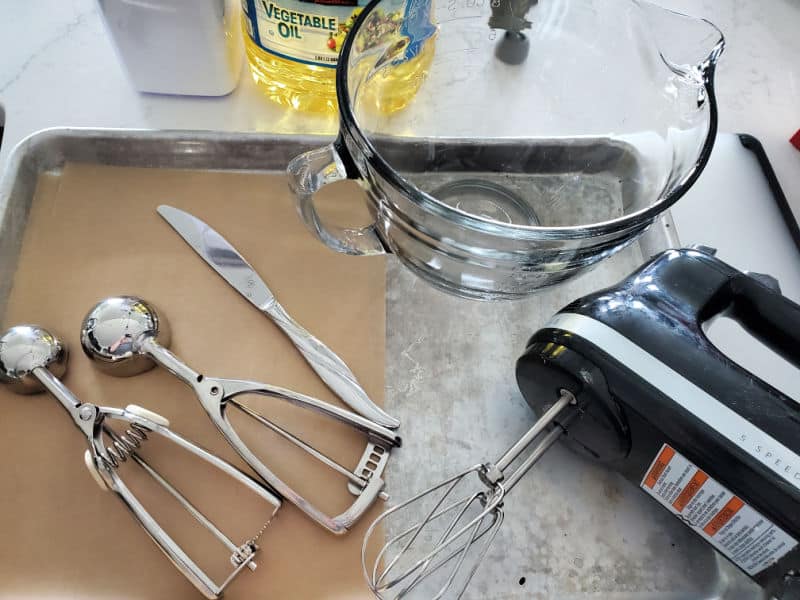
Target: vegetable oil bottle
point(293, 46)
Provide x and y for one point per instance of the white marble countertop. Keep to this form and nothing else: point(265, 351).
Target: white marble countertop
point(58, 68)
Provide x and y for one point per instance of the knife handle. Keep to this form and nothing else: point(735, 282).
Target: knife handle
point(330, 368)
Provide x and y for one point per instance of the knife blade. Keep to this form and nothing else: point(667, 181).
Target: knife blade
point(221, 256)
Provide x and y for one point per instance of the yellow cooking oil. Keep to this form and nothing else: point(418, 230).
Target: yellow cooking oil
point(293, 47)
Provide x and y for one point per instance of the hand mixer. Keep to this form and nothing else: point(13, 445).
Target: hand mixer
point(121, 333)
point(32, 360)
point(655, 400)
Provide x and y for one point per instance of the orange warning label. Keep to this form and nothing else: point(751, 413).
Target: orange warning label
point(661, 462)
point(723, 516)
point(694, 485)
point(726, 521)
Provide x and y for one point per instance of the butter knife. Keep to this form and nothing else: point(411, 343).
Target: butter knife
point(233, 268)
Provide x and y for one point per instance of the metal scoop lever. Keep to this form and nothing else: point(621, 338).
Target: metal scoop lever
point(233, 268)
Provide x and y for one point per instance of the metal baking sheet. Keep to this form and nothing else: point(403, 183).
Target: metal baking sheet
point(573, 530)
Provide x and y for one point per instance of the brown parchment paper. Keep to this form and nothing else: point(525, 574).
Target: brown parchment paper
point(93, 232)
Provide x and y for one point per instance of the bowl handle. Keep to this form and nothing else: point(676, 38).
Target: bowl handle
point(307, 173)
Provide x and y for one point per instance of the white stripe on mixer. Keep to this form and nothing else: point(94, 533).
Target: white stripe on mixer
point(769, 451)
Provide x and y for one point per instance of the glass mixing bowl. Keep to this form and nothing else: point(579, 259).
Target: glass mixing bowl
point(507, 145)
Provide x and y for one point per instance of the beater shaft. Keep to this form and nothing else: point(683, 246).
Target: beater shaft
point(549, 415)
point(537, 453)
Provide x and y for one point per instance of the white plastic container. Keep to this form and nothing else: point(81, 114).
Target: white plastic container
point(185, 47)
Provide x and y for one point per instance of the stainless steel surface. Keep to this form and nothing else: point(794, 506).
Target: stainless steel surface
point(556, 168)
point(581, 532)
point(233, 268)
point(407, 563)
point(114, 330)
point(25, 348)
point(43, 356)
point(126, 328)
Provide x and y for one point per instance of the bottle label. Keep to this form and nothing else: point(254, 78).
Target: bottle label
point(313, 31)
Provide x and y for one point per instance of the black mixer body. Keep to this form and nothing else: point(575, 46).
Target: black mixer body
point(658, 402)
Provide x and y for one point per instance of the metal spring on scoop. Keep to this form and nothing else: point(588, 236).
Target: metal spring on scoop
point(124, 445)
